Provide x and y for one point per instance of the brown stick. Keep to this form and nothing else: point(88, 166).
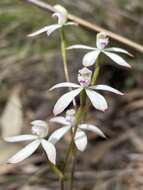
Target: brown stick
point(88, 25)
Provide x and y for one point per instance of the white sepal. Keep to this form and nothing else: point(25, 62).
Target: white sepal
point(25, 152)
point(106, 88)
point(80, 46)
point(117, 59)
point(48, 29)
point(80, 140)
point(90, 58)
point(65, 100)
point(52, 28)
point(20, 138)
point(92, 128)
point(50, 150)
point(58, 134)
point(65, 84)
point(119, 50)
point(60, 120)
point(97, 100)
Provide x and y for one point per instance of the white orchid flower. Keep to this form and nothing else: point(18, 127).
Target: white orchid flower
point(61, 13)
point(39, 132)
point(84, 79)
point(80, 138)
point(101, 42)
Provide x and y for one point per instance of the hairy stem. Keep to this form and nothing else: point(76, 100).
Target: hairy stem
point(73, 168)
point(64, 56)
point(96, 71)
point(56, 170)
point(79, 114)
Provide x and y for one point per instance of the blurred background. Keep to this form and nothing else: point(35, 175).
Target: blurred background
point(30, 66)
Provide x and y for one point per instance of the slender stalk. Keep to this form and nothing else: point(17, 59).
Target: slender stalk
point(79, 114)
point(64, 56)
point(73, 168)
point(96, 71)
point(77, 121)
point(56, 170)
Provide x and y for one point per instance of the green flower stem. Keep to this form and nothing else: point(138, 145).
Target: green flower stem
point(96, 71)
point(56, 170)
point(73, 168)
point(79, 114)
point(64, 56)
point(94, 79)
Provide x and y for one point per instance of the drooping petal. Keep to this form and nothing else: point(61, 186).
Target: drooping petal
point(92, 128)
point(71, 23)
point(48, 29)
point(90, 58)
point(25, 152)
point(60, 120)
point(120, 50)
point(80, 46)
point(65, 84)
point(58, 134)
point(117, 59)
point(20, 138)
point(80, 140)
point(50, 150)
point(97, 100)
point(65, 100)
point(106, 88)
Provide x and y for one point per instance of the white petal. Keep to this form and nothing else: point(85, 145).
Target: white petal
point(106, 88)
point(48, 29)
point(65, 100)
point(71, 23)
point(80, 140)
point(60, 120)
point(65, 84)
point(58, 134)
point(92, 128)
point(25, 152)
point(53, 28)
point(90, 58)
point(117, 59)
point(20, 138)
point(120, 50)
point(97, 100)
point(50, 150)
point(80, 46)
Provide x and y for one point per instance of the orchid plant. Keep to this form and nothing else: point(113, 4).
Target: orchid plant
point(39, 133)
point(84, 79)
point(68, 122)
point(74, 121)
point(61, 13)
point(101, 42)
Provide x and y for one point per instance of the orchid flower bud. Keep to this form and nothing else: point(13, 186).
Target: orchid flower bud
point(84, 77)
point(39, 128)
point(61, 13)
point(102, 40)
point(70, 116)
